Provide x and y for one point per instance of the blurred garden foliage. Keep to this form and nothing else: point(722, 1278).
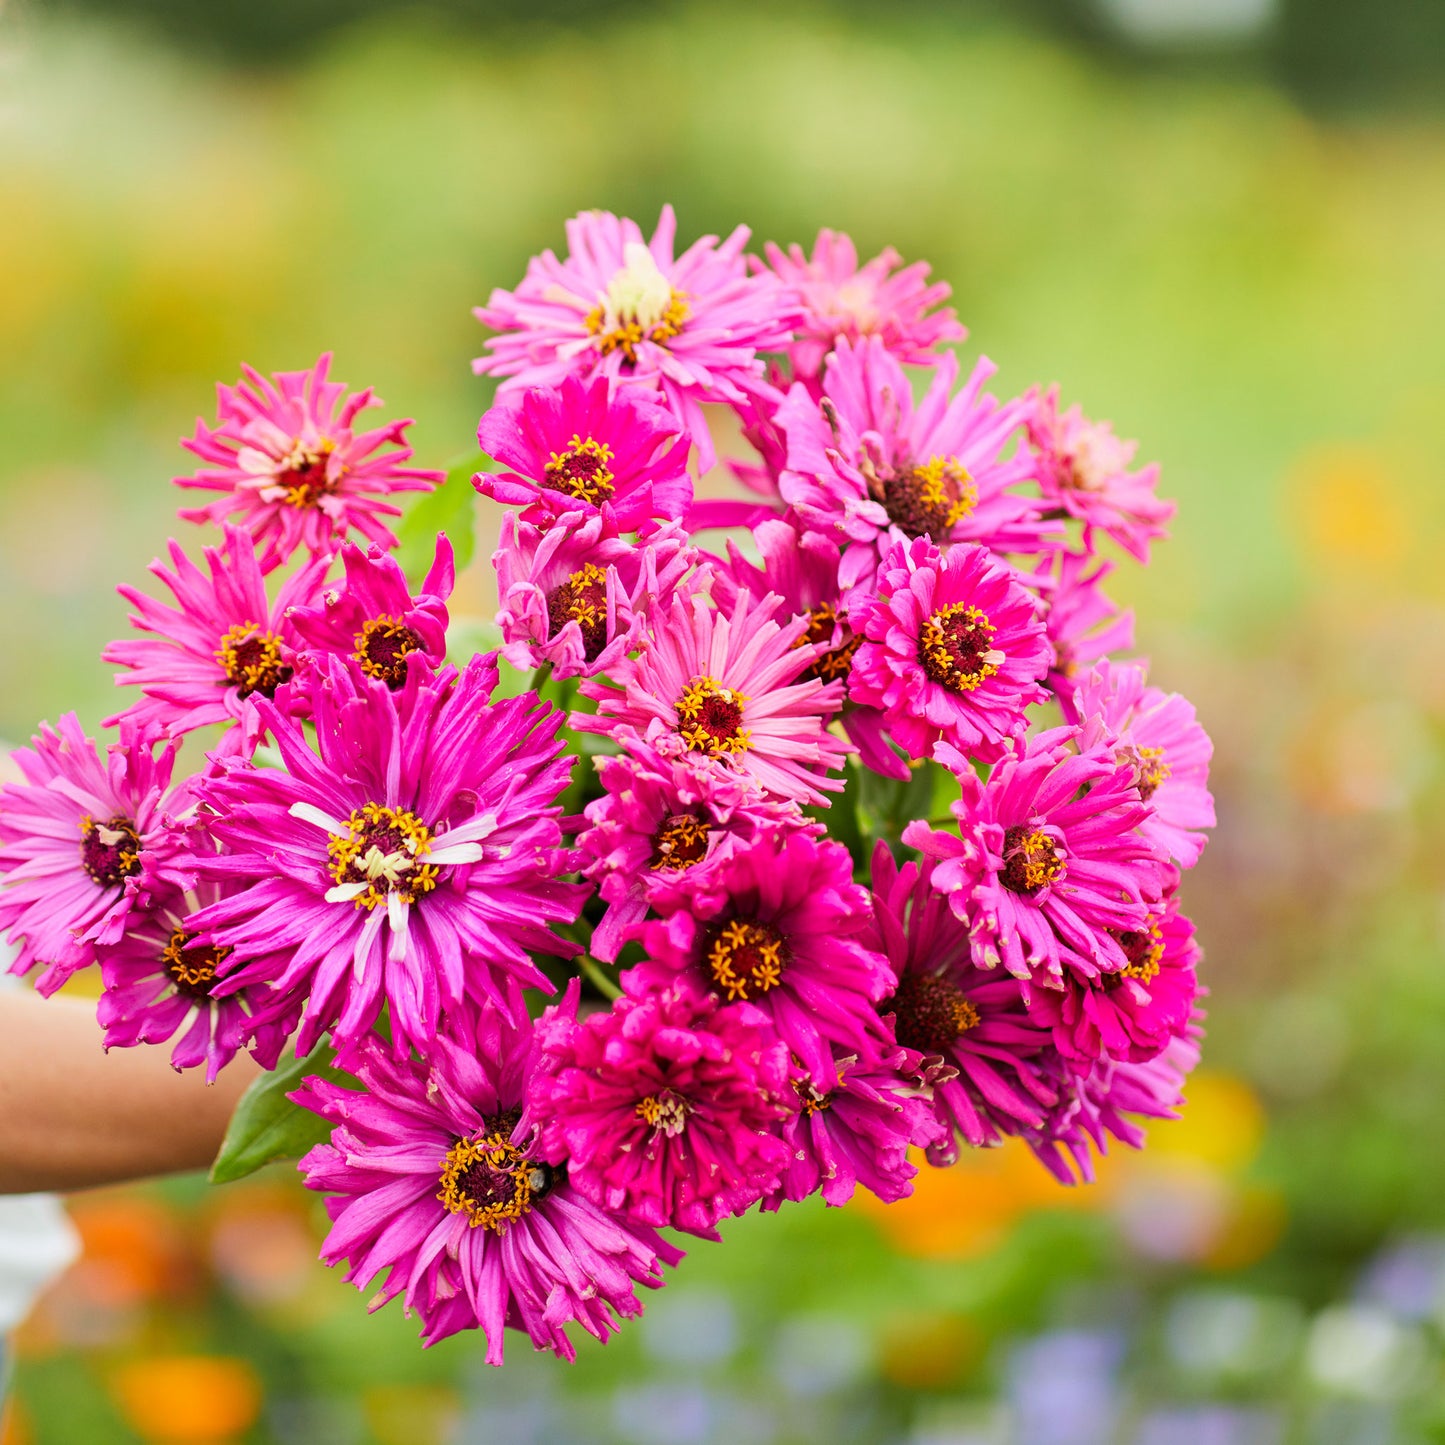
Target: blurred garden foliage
point(1209, 254)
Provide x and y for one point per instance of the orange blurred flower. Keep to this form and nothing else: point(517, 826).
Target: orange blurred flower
point(188, 1400)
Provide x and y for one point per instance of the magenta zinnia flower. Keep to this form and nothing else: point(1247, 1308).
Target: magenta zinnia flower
point(967, 1028)
point(294, 471)
point(662, 1107)
point(1048, 866)
point(858, 1132)
point(1160, 737)
point(779, 925)
point(868, 467)
point(659, 818)
point(953, 650)
point(373, 618)
point(1106, 1102)
point(1083, 624)
point(224, 647)
point(431, 1178)
point(843, 301)
point(1083, 468)
point(586, 447)
point(410, 860)
point(734, 687)
point(576, 595)
point(1134, 1013)
point(689, 326)
point(84, 842)
point(160, 982)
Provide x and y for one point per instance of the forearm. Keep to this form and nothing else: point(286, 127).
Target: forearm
point(73, 1116)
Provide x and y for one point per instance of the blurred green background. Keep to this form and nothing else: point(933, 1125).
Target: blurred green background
point(1218, 223)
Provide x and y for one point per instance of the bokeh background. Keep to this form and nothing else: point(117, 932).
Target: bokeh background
point(1218, 223)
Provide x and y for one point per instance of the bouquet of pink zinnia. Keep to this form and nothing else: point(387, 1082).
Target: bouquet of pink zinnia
point(676, 796)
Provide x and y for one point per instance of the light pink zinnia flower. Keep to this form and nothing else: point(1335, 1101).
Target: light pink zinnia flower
point(974, 1048)
point(1160, 737)
point(1083, 468)
point(868, 467)
point(294, 471)
point(662, 1108)
point(431, 1178)
point(160, 982)
point(224, 645)
point(660, 818)
point(843, 301)
point(84, 842)
point(409, 858)
point(690, 326)
point(1048, 866)
point(373, 618)
point(732, 686)
point(586, 447)
point(1107, 1102)
point(577, 595)
point(953, 650)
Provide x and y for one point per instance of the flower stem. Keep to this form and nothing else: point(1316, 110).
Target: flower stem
point(598, 976)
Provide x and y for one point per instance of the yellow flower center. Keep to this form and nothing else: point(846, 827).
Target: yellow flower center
point(191, 967)
point(931, 500)
point(382, 647)
point(679, 843)
point(956, 648)
point(710, 716)
point(930, 1012)
point(582, 471)
point(110, 851)
point(746, 959)
point(664, 1112)
point(639, 305)
point(491, 1181)
point(303, 473)
point(251, 659)
point(1030, 861)
point(383, 849)
point(1144, 948)
point(582, 599)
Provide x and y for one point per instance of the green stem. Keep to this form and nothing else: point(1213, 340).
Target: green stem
point(595, 972)
point(539, 678)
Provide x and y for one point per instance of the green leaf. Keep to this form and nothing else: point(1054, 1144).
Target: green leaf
point(448, 509)
point(886, 806)
point(267, 1126)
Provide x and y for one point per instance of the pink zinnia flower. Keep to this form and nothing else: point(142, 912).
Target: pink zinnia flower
point(1097, 1105)
point(84, 842)
point(1083, 468)
point(431, 1178)
point(966, 1027)
point(294, 471)
point(1132, 1014)
point(222, 649)
point(953, 650)
point(858, 1132)
point(660, 818)
point(373, 618)
point(843, 301)
point(1048, 866)
point(868, 467)
point(410, 860)
point(779, 925)
point(586, 447)
point(662, 1108)
point(576, 595)
point(160, 982)
point(801, 567)
point(689, 326)
point(1083, 624)
point(1160, 737)
point(734, 687)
